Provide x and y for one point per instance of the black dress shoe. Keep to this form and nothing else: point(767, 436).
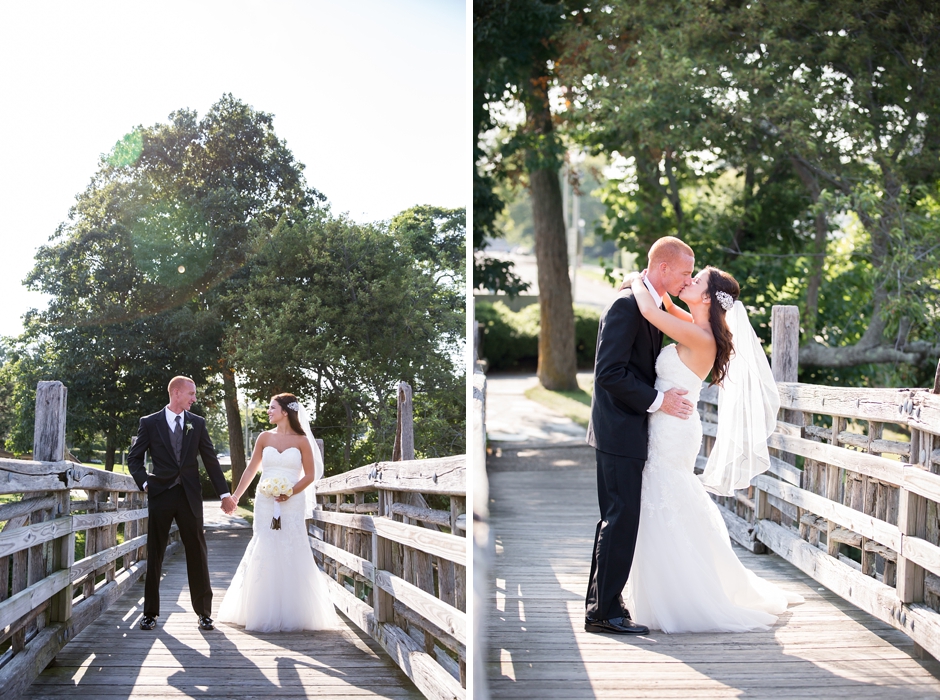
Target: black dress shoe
point(615, 625)
point(205, 623)
point(148, 622)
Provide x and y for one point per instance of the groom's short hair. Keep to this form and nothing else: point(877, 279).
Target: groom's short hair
point(176, 383)
point(667, 249)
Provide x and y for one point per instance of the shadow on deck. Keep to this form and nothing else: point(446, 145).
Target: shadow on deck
point(543, 510)
point(113, 658)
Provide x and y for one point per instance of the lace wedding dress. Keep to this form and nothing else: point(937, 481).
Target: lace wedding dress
point(278, 586)
point(685, 575)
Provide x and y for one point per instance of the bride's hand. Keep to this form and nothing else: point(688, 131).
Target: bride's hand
point(282, 498)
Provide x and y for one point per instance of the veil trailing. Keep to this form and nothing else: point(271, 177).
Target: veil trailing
point(311, 492)
point(748, 402)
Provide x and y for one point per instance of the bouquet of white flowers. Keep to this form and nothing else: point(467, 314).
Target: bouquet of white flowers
point(274, 487)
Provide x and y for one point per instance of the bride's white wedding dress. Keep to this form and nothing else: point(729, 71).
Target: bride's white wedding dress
point(278, 586)
point(685, 575)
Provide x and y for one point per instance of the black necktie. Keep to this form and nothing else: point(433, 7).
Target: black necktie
point(178, 439)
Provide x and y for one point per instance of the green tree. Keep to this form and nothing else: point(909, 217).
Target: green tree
point(338, 312)
point(516, 46)
point(820, 114)
point(137, 275)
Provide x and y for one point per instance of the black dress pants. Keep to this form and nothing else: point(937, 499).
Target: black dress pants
point(164, 508)
point(619, 481)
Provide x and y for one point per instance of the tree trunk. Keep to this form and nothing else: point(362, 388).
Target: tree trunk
point(651, 213)
point(236, 438)
point(742, 229)
point(557, 367)
point(811, 310)
point(347, 448)
point(110, 444)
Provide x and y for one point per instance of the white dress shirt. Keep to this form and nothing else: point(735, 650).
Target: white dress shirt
point(171, 421)
point(658, 401)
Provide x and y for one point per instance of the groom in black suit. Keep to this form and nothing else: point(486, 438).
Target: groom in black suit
point(174, 436)
point(624, 374)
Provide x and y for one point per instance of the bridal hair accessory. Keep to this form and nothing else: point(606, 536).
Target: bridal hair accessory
point(748, 402)
point(725, 299)
point(294, 406)
point(274, 487)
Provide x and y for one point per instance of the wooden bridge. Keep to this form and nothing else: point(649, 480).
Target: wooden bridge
point(391, 537)
point(854, 531)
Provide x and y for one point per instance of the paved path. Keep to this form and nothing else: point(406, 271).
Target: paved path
point(112, 658)
point(514, 421)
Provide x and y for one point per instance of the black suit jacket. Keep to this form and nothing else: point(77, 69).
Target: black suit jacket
point(154, 435)
point(624, 374)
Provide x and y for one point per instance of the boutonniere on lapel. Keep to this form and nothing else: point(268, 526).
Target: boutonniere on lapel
point(189, 426)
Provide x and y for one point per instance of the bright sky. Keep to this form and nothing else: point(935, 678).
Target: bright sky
point(370, 95)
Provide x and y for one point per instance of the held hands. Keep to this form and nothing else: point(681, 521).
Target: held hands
point(675, 405)
point(229, 505)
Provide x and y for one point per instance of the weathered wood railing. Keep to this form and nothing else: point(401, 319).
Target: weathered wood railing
point(483, 546)
point(398, 565)
point(46, 595)
point(864, 525)
point(51, 512)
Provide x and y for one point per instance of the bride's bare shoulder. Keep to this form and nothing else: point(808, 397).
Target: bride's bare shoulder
point(264, 438)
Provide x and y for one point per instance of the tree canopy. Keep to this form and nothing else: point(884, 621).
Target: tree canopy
point(342, 311)
point(794, 143)
point(161, 269)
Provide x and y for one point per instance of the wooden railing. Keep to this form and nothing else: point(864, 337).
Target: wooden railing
point(46, 596)
point(398, 564)
point(72, 541)
point(864, 525)
point(483, 545)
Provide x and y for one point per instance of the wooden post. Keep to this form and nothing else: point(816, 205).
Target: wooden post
point(404, 430)
point(381, 561)
point(784, 362)
point(49, 446)
point(63, 557)
point(936, 380)
point(785, 340)
point(834, 485)
point(49, 432)
point(912, 521)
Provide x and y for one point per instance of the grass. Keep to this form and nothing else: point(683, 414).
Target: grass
point(597, 276)
point(576, 405)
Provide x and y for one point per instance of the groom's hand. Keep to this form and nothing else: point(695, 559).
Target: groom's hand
point(228, 505)
point(675, 405)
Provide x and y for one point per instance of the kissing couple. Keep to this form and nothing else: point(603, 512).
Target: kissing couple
point(660, 534)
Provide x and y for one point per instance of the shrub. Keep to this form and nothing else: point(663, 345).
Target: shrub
point(511, 339)
point(504, 343)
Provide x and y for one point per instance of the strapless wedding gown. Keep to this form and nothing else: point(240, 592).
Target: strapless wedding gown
point(278, 586)
point(685, 575)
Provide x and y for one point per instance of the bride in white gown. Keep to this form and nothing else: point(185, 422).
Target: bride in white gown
point(278, 586)
point(685, 575)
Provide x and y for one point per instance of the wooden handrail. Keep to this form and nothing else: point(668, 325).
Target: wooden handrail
point(407, 579)
point(399, 580)
point(847, 498)
point(53, 596)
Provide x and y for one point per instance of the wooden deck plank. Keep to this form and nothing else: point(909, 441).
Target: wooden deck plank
point(114, 658)
point(544, 520)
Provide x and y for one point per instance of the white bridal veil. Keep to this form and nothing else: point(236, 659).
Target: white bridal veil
point(311, 492)
point(748, 402)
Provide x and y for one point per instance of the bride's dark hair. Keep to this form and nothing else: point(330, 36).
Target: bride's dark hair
point(720, 281)
point(284, 400)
